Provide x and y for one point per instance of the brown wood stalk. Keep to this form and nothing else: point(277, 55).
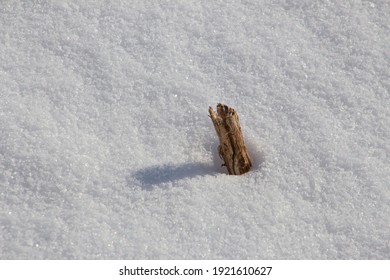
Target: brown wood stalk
point(232, 148)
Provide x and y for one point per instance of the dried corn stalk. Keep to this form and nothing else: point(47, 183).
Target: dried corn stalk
point(232, 148)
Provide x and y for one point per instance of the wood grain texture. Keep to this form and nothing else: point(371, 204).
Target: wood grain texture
point(232, 148)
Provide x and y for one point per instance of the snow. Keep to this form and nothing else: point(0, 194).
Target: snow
point(107, 152)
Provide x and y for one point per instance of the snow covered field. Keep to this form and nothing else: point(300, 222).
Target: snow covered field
point(107, 152)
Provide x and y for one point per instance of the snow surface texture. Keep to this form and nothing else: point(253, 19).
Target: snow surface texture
point(107, 151)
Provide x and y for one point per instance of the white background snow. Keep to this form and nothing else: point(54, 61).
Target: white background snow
point(107, 150)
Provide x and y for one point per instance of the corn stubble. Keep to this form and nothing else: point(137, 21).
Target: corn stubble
point(232, 148)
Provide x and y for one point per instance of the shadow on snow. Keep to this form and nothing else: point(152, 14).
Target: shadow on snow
point(156, 175)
